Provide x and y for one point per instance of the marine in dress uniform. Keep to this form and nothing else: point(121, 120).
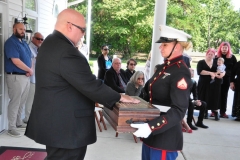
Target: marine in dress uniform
point(169, 86)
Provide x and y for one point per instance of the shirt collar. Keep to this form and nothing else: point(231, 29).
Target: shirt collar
point(174, 60)
point(16, 38)
point(33, 46)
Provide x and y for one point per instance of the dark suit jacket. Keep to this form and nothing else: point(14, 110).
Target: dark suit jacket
point(62, 114)
point(194, 91)
point(111, 79)
point(187, 61)
point(102, 66)
point(129, 74)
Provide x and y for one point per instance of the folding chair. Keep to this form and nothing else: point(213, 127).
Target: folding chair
point(98, 110)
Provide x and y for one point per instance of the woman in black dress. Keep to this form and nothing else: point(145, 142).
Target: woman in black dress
point(235, 86)
point(209, 92)
point(104, 62)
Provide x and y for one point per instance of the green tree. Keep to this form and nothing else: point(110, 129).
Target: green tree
point(127, 25)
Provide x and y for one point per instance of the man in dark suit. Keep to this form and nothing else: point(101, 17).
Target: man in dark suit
point(187, 60)
point(62, 115)
point(195, 103)
point(115, 77)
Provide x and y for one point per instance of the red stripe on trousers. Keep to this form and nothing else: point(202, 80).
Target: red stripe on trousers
point(164, 154)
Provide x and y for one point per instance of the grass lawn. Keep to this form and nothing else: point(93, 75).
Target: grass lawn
point(142, 62)
point(124, 63)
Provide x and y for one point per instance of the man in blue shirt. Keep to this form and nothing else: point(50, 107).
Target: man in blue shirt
point(18, 69)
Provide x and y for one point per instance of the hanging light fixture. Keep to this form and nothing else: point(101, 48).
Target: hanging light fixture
point(29, 31)
point(28, 28)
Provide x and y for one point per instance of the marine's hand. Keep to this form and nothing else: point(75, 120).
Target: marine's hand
point(128, 99)
point(143, 130)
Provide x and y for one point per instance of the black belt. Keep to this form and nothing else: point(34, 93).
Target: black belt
point(17, 73)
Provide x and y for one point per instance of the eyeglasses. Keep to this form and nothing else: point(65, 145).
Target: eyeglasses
point(132, 64)
point(140, 78)
point(81, 28)
point(39, 39)
point(105, 49)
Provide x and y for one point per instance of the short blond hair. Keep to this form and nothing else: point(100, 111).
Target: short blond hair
point(186, 45)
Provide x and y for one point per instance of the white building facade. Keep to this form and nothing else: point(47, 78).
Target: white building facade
point(41, 16)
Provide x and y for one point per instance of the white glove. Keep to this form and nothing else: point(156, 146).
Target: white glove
point(143, 130)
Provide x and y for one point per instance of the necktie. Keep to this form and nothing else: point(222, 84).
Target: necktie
point(121, 82)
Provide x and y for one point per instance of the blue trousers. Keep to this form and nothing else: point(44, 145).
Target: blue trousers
point(154, 154)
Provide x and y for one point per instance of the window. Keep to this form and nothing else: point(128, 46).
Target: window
point(32, 15)
point(55, 10)
point(32, 24)
point(30, 4)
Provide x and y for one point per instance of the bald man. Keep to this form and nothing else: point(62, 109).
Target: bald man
point(62, 116)
point(18, 69)
point(36, 42)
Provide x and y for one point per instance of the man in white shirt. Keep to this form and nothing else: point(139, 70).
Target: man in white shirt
point(34, 45)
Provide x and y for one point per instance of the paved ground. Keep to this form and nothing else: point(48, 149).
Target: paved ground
point(220, 142)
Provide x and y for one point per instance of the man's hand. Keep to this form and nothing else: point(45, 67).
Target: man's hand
point(143, 130)
point(30, 71)
point(28, 75)
point(232, 86)
point(128, 99)
point(198, 103)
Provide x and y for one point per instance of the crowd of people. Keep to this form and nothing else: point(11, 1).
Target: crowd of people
point(61, 98)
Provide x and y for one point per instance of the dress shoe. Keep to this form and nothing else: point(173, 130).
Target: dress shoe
point(212, 115)
point(192, 126)
point(216, 116)
point(205, 116)
point(201, 125)
point(237, 119)
point(224, 115)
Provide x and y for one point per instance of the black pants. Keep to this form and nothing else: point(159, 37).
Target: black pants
point(191, 108)
point(65, 154)
point(224, 94)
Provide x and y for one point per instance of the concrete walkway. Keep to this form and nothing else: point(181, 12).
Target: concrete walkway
point(220, 142)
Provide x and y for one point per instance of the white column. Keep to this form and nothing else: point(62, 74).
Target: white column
point(89, 19)
point(159, 18)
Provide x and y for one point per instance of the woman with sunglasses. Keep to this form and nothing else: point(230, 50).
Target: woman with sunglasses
point(104, 62)
point(135, 84)
point(131, 64)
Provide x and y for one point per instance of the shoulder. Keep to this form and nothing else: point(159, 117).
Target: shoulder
point(9, 41)
point(130, 84)
point(127, 70)
point(181, 69)
point(110, 71)
point(233, 57)
point(100, 56)
point(122, 71)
